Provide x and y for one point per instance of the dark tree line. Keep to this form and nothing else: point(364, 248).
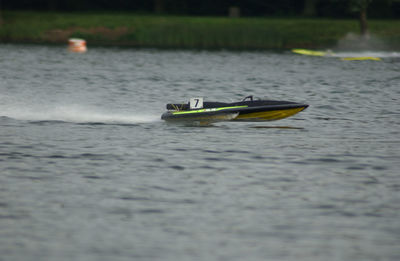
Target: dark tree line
point(313, 8)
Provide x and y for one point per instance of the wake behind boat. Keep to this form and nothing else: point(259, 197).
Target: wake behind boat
point(246, 110)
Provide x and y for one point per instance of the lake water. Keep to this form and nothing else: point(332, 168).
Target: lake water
point(88, 171)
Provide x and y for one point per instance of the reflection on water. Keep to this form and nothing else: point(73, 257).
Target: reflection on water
point(88, 170)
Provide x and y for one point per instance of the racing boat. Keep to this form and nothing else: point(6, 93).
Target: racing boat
point(329, 53)
point(246, 110)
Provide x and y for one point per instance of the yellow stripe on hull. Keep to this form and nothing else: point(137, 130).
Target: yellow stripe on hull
point(269, 115)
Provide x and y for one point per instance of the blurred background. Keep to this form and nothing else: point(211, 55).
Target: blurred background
point(228, 24)
point(314, 8)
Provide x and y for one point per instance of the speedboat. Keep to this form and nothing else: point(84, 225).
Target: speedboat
point(248, 109)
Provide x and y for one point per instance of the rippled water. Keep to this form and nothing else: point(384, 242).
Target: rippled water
point(88, 171)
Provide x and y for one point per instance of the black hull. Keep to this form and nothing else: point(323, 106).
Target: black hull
point(258, 110)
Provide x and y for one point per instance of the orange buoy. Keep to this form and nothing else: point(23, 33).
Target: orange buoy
point(77, 45)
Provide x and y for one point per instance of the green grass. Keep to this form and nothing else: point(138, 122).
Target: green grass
point(128, 29)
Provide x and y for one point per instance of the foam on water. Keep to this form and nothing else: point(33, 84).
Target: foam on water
point(379, 54)
point(355, 45)
point(76, 114)
point(356, 42)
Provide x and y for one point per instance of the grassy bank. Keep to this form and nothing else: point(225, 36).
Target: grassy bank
point(125, 29)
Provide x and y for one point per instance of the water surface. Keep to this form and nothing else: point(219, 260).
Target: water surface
point(88, 171)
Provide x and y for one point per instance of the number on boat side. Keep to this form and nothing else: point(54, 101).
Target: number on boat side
point(196, 103)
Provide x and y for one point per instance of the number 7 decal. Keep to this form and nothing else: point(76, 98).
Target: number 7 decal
point(196, 103)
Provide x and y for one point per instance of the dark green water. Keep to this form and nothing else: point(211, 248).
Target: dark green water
point(88, 171)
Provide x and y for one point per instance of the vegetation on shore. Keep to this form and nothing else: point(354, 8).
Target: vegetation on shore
point(127, 29)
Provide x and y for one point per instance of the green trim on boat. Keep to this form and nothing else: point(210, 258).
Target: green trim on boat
point(209, 110)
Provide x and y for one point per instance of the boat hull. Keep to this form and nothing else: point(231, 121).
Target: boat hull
point(269, 115)
point(236, 113)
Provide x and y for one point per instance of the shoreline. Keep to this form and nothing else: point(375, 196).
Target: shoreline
point(183, 32)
